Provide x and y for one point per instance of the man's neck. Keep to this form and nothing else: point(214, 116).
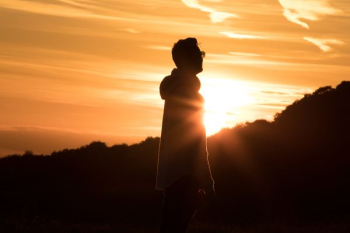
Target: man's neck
point(187, 72)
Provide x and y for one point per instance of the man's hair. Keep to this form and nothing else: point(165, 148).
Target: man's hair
point(183, 50)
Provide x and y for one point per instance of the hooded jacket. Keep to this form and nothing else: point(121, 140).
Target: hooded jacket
point(182, 149)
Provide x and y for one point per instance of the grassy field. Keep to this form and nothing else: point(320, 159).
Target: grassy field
point(41, 225)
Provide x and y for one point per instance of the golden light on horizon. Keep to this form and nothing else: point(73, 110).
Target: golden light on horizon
point(223, 97)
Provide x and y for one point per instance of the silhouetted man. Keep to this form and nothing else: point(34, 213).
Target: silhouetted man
point(183, 169)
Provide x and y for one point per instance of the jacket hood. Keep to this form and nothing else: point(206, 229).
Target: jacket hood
point(179, 83)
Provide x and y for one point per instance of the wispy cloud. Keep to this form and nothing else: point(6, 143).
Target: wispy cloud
point(92, 81)
point(297, 11)
point(130, 30)
point(276, 96)
point(215, 16)
point(274, 92)
point(240, 36)
point(243, 60)
point(323, 43)
point(272, 105)
point(245, 54)
point(70, 10)
point(158, 47)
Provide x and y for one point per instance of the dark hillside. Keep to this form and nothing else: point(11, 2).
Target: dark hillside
point(299, 163)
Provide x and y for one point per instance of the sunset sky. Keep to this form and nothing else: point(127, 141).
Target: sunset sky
point(74, 71)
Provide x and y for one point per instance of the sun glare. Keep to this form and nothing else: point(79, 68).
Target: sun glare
point(223, 97)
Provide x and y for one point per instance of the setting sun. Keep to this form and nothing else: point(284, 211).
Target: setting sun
point(223, 98)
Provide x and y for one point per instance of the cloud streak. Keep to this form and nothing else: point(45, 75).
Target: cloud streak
point(158, 47)
point(215, 16)
point(130, 30)
point(297, 11)
point(243, 60)
point(240, 36)
point(323, 44)
point(57, 10)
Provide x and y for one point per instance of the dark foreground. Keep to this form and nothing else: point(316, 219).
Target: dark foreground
point(39, 224)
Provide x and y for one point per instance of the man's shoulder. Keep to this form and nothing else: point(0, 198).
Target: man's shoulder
point(165, 87)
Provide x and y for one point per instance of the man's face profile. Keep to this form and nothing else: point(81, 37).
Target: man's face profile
point(187, 56)
point(197, 61)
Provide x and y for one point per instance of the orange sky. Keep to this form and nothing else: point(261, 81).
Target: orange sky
point(73, 71)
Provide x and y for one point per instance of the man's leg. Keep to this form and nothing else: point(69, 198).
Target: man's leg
point(179, 206)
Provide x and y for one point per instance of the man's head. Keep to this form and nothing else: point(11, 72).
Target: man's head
point(187, 55)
